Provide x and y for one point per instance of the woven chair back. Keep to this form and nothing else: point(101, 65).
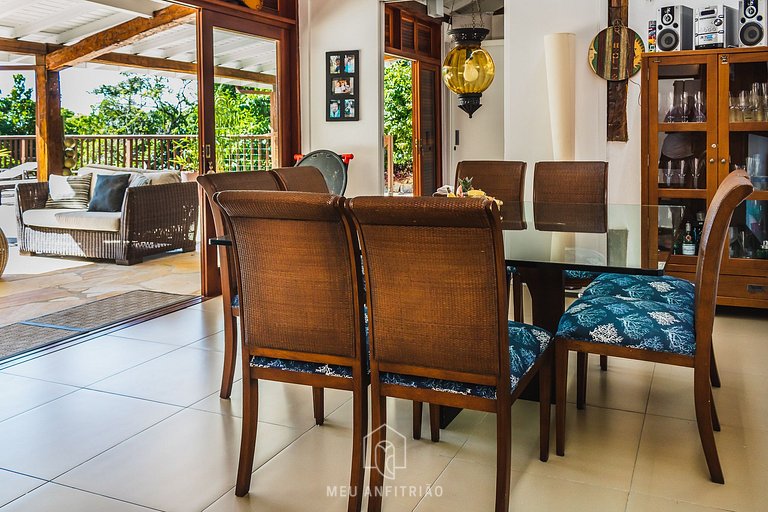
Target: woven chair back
point(500, 179)
point(221, 181)
point(571, 182)
point(435, 276)
point(301, 179)
point(730, 194)
point(298, 272)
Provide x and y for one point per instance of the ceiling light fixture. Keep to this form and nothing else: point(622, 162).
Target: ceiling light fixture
point(468, 69)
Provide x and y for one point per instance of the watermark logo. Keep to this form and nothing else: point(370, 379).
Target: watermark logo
point(390, 454)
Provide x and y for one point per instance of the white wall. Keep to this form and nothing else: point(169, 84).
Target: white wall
point(527, 135)
point(527, 127)
point(329, 25)
point(482, 137)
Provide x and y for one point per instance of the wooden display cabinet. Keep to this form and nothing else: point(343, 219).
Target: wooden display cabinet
point(705, 113)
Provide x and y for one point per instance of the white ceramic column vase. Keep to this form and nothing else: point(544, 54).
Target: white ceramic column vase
point(560, 57)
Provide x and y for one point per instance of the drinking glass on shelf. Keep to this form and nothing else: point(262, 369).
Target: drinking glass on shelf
point(756, 102)
point(764, 94)
point(735, 115)
point(668, 172)
point(699, 114)
point(682, 171)
point(745, 105)
point(699, 167)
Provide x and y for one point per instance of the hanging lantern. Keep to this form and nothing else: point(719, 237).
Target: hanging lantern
point(468, 69)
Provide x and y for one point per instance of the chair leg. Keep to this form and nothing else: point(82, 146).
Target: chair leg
point(359, 431)
point(318, 405)
point(517, 298)
point(561, 388)
point(434, 423)
point(604, 363)
point(581, 379)
point(378, 450)
point(545, 405)
point(418, 409)
point(704, 420)
point(714, 375)
point(715, 418)
point(248, 438)
point(503, 457)
point(230, 354)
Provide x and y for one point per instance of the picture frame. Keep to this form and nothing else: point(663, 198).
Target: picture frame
point(342, 86)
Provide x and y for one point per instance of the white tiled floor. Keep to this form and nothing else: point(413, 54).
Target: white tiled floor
point(133, 421)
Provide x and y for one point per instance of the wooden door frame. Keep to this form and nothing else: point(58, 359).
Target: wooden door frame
point(438, 109)
point(417, 63)
point(289, 136)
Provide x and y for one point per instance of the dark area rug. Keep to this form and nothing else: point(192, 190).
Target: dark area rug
point(38, 332)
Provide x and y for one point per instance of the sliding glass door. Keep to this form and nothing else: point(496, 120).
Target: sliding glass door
point(248, 106)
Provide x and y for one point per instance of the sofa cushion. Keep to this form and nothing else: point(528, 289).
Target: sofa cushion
point(109, 193)
point(72, 219)
point(137, 175)
point(68, 192)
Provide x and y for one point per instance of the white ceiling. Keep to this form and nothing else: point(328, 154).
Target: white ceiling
point(68, 21)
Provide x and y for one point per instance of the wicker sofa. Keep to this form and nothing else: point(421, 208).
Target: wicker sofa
point(154, 219)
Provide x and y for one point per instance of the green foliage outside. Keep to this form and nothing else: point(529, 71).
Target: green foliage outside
point(146, 105)
point(17, 109)
point(398, 113)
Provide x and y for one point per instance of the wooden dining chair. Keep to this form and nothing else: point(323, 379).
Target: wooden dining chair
point(438, 328)
point(660, 332)
point(579, 182)
point(301, 179)
point(301, 307)
point(217, 182)
point(504, 180)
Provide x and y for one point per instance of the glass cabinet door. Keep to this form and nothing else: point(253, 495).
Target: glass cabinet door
point(682, 142)
point(746, 134)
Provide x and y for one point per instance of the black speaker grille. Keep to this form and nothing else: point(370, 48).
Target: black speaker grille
point(751, 34)
point(667, 40)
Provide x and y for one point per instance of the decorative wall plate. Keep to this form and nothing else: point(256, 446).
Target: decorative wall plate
point(615, 53)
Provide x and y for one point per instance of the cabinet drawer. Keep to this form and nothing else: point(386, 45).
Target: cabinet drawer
point(743, 287)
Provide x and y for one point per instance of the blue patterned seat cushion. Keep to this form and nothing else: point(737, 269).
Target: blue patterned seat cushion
point(236, 301)
point(580, 275)
point(665, 289)
point(630, 322)
point(526, 344)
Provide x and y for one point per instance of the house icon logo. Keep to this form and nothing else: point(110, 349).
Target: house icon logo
point(392, 451)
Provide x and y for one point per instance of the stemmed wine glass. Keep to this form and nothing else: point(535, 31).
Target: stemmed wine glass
point(698, 170)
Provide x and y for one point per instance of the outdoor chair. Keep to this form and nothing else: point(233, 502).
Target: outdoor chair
point(459, 350)
point(211, 184)
point(301, 179)
point(655, 328)
point(301, 307)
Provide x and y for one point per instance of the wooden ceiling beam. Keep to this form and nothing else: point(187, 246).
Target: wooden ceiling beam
point(22, 47)
point(116, 37)
point(186, 68)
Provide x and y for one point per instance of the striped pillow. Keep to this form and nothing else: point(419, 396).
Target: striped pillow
point(68, 192)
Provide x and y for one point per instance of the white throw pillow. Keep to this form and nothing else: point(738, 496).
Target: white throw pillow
point(59, 188)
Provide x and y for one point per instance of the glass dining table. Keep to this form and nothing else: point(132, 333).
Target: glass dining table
point(542, 240)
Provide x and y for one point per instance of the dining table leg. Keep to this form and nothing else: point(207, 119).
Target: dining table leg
point(547, 290)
